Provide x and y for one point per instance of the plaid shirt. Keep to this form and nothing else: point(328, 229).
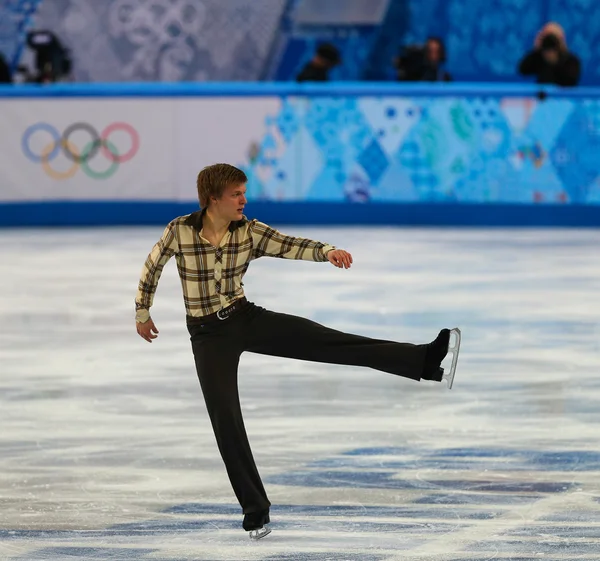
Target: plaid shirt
point(211, 277)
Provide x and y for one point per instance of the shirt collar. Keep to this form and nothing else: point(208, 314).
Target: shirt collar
point(195, 220)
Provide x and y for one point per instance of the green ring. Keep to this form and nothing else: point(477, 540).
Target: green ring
point(99, 174)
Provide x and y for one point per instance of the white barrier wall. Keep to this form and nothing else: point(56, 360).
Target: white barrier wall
point(123, 149)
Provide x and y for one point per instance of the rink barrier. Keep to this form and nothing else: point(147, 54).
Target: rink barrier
point(139, 213)
point(67, 211)
point(262, 89)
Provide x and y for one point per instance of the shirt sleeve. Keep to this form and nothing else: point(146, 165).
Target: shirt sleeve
point(162, 251)
point(268, 241)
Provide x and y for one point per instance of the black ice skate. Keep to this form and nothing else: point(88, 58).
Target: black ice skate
point(436, 353)
point(256, 524)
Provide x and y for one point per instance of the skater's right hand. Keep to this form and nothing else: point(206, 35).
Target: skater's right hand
point(147, 330)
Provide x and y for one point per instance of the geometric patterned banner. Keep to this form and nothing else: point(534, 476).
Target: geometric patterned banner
point(453, 149)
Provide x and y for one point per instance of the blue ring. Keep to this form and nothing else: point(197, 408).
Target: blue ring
point(27, 135)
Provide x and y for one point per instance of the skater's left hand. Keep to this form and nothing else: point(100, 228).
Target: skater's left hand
point(340, 258)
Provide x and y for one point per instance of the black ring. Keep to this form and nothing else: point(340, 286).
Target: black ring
point(97, 143)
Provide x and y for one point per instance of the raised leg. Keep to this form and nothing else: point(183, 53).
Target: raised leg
point(290, 336)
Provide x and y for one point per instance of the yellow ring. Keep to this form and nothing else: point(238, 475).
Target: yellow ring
point(60, 174)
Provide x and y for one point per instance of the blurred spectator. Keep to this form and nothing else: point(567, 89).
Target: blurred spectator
point(550, 60)
point(5, 75)
point(326, 57)
point(423, 63)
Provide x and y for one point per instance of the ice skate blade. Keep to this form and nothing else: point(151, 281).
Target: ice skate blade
point(259, 533)
point(454, 349)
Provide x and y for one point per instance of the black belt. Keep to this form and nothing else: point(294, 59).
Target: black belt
point(221, 315)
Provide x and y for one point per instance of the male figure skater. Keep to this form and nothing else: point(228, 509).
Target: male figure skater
point(213, 248)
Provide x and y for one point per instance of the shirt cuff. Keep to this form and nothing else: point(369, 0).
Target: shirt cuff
point(326, 249)
point(142, 315)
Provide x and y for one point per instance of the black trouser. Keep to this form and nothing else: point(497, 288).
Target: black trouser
point(217, 347)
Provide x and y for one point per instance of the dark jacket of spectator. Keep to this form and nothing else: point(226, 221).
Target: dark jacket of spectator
point(5, 75)
point(326, 57)
point(564, 72)
point(423, 64)
point(313, 73)
point(550, 60)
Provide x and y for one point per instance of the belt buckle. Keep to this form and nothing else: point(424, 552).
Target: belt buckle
point(219, 315)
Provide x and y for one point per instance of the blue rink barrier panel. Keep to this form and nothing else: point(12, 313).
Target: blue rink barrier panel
point(421, 154)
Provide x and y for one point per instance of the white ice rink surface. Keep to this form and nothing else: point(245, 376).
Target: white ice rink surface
point(106, 451)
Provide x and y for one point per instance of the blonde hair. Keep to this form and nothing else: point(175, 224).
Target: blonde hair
point(553, 28)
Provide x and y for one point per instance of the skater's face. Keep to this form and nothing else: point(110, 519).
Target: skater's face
point(230, 205)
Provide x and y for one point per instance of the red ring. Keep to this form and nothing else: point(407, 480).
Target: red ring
point(135, 142)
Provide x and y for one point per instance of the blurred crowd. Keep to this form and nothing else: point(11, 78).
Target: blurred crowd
point(549, 61)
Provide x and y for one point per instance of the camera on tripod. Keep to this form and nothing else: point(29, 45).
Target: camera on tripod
point(410, 63)
point(422, 62)
point(52, 59)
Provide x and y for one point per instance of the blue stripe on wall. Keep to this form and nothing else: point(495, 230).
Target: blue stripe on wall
point(102, 213)
point(266, 89)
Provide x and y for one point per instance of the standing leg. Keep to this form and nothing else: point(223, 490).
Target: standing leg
point(217, 357)
point(289, 336)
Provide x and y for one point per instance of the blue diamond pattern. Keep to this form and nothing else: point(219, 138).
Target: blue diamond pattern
point(374, 161)
point(288, 121)
point(576, 154)
point(533, 157)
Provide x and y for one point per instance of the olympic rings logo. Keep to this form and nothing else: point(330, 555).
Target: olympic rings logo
point(99, 144)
